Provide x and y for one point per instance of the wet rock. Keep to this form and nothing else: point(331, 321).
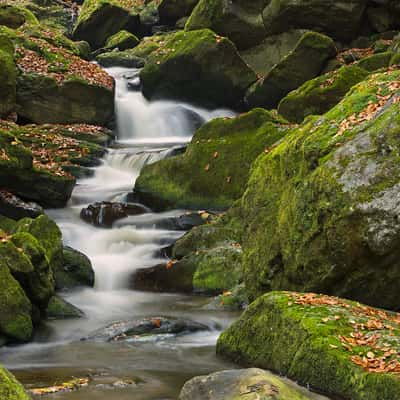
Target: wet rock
point(58, 308)
point(231, 300)
point(75, 270)
point(308, 338)
point(120, 59)
point(243, 384)
point(186, 221)
point(171, 11)
point(10, 388)
point(106, 213)
point(13, 207)
point(125, 330)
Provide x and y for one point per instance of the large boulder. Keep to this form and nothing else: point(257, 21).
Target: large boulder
point(303, 63)
point(98, 20)
point(198, 66)
point(58, 308)
point(8, 76)
point(246, 384)
point(171, 11)
point(213, 171)
point(319, 95)
point(239, 20)
point(320, 210)
point(340, 19)
point(342, 348)
point(10, 388)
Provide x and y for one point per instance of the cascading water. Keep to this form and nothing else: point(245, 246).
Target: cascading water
point(147, 132)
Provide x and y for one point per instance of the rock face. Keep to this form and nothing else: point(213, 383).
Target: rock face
point(319, 95)
point(10, 388)
point(171, 11)
point(213, 171)
point(303, 63)
point(105, 214)
point(343, 21)
point(241, 384)
point(197, 66)
point(75, 270)
point(331, 344)
point(125, 330)
point(328, 198)
point(13, 207)
point(239, 20)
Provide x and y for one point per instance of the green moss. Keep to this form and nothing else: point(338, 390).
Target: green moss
point(302, 340)
point(305, 207)
point(6, 224)
point(318, 95)
point(122, 40)
point(376, 61)
point(15, 307)
point(214, 170)
point(8, 75)
point(197, 66)
point(10, 388)
point(58, 308)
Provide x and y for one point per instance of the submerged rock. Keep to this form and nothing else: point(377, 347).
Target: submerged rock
point(10, 388)
point(104, 214)
point(339, 347)
point(76, 270)
point(152, 326)
point(197, 66)
point(243, 384)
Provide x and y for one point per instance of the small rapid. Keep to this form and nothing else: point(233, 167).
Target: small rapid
point(146, 132)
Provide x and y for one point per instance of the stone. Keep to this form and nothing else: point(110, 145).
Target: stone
point(58, 308)
point(13, 207)
point(303, 63)
point(308, 338)
point(10, 388)
point(197, 66)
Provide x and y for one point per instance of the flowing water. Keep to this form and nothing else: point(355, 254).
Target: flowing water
point(147, 132)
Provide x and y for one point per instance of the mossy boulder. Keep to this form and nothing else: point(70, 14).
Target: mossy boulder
point(338, 347)
point(125, 58)
point(58, 308)
point(303, 63)
point(320, 94)
point(214, 170)
point(319, 211)
point(246, 384)
point(342, 21)
point(11, 16)
point(8, 77)
point(101, 19)
point(376, 61)
point(239, 20)
point(198, 66)
point(170, 11)
point(10, 388)
point(15, 308)
point(122, 40)
point(75, 270)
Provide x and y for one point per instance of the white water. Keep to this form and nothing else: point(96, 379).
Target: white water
point(147, 132)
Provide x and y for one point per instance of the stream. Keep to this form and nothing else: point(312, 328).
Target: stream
point(146, 369)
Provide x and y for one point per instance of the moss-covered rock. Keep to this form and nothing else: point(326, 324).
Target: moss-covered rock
point(376, 61)
point(198, 66)
point(339, 347)
point(317, 96)
point(232, 300)
point(239, 20)
point(100, 19)
point(303, 63)
point(15, 307)
point(11, 16)
point(8, 76)
point(214, 170)
point(243, 384)
point(75, 270)
point(320, 209)
point(10, 388)
point(125, 58)
point(122, 40)
point(58, 308)
point(170, 11)
point(342, 21)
